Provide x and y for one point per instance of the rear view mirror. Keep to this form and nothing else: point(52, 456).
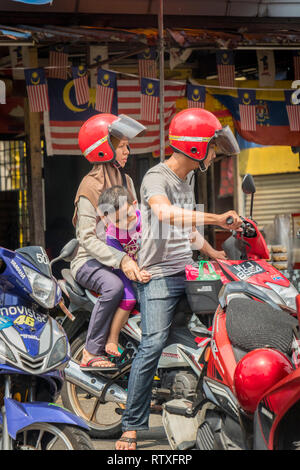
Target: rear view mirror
point(68, 250)
point(248, 185)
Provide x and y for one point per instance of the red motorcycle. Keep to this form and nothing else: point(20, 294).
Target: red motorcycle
point(248, 393)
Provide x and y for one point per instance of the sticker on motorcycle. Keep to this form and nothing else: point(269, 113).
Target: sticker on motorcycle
point(245, 270)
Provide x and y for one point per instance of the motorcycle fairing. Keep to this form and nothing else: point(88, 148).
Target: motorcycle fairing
point(222, 362)
point(272, 407)
point(21, 415)
point(256, 272)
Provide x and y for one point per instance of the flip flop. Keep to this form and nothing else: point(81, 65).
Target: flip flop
point(89, 365)
point(130, 440)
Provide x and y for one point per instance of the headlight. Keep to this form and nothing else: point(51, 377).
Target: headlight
point(59, 352)
point(43, 288)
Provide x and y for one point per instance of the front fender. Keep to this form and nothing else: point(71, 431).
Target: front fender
point(20, 415)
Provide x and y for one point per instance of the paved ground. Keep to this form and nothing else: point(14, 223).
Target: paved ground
point(154, 439)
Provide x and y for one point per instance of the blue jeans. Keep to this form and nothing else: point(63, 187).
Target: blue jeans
point(158, 300)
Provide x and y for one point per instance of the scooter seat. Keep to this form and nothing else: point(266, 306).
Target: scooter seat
point(66, 273)
point(251, 325)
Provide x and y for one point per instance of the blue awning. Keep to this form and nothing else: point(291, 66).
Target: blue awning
point(34, 2)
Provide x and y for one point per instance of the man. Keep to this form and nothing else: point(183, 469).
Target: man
point(168, 219)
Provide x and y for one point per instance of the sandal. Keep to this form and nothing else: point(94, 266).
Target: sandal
point(130, 440)
point(89, 365)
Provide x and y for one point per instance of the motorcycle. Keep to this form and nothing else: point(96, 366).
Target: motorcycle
point(34, 351)
point(248, 391)
point(100, 400)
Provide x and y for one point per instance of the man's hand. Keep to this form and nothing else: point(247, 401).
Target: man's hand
point(131, 269)
point(236, 224)
point(215, 254)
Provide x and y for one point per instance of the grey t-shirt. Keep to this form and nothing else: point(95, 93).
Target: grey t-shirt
point(165, 248)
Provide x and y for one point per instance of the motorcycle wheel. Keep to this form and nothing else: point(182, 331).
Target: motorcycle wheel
point(104, 419)
point(47, 436)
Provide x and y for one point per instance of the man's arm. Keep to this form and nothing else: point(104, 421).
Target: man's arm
point(198, 242)
point(166, 212)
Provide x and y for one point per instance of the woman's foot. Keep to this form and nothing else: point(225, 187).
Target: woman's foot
point(90, 359)
point(112, 348)
point(127, 441)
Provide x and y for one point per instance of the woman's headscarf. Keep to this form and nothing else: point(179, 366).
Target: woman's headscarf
point(101, 177)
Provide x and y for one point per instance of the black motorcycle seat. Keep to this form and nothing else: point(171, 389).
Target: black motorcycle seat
point(66, 273)
point(251, 325)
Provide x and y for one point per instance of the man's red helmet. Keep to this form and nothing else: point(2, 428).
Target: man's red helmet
point(256, 373)
point(193, 130)
point(94, 137)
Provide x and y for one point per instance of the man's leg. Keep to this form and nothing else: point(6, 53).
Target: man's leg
point(158, 300)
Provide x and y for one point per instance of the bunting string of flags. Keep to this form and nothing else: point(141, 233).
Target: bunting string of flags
point(58, 61)
point(37, 90)
point(147, 63)
point(82, 89)
point(248, 112)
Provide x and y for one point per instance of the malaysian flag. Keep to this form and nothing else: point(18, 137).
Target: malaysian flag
point(225, 68)
point(82, 91)
point(106, 88)
point(149, 99)
point(58, 62)
point(65, 118)
point(293, 111)
point(247, 109)
point(37, 90)
point(147, 63)
point(296, 59)
point(195, 96)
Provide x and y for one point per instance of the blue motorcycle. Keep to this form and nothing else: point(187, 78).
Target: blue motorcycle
point(34, 351)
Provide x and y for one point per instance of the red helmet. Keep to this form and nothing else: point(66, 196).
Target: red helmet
point(94, 137)
point(192, 131)
point(256, 373)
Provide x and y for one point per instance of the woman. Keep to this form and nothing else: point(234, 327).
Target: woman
point(103, 140)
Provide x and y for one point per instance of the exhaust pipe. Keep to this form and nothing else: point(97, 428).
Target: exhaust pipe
point(93, 383)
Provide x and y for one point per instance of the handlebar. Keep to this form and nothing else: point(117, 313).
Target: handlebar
point(248, 230)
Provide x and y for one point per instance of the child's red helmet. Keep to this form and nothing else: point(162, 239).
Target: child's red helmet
point(193, 130)
point(94, 137)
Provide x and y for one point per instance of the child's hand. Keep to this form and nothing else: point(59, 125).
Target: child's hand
point(145, 276)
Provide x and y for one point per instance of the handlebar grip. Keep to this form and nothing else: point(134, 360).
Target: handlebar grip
point(229, 220)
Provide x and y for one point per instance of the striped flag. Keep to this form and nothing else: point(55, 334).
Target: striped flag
point(65, 119)
point(106, 87)
point(247, 109)
point(149, 99)
point(195, 96)
point(37, 90)
point(296, 59)
point(293, 112)
point(58, 62)
point(225, 68)
point(82, 91)
point(147, 63)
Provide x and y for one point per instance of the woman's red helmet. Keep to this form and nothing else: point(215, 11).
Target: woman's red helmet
point(256, 373)
point(94, 137)
point(193, 130)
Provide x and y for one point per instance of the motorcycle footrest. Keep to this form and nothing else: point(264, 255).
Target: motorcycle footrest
point(183, 409)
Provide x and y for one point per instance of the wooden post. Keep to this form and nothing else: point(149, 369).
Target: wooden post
point(34, 169)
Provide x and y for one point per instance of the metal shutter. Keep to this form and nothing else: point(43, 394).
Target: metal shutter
point(275, 194)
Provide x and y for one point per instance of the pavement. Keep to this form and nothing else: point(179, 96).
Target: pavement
point(154, 439)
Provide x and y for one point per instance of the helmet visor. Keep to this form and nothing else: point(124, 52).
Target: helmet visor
point(225, 143)
point(126, 127)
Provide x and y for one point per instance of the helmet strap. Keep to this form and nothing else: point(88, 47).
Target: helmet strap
point(202, 166)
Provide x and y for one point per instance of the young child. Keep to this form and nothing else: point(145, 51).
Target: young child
point(123, 232)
